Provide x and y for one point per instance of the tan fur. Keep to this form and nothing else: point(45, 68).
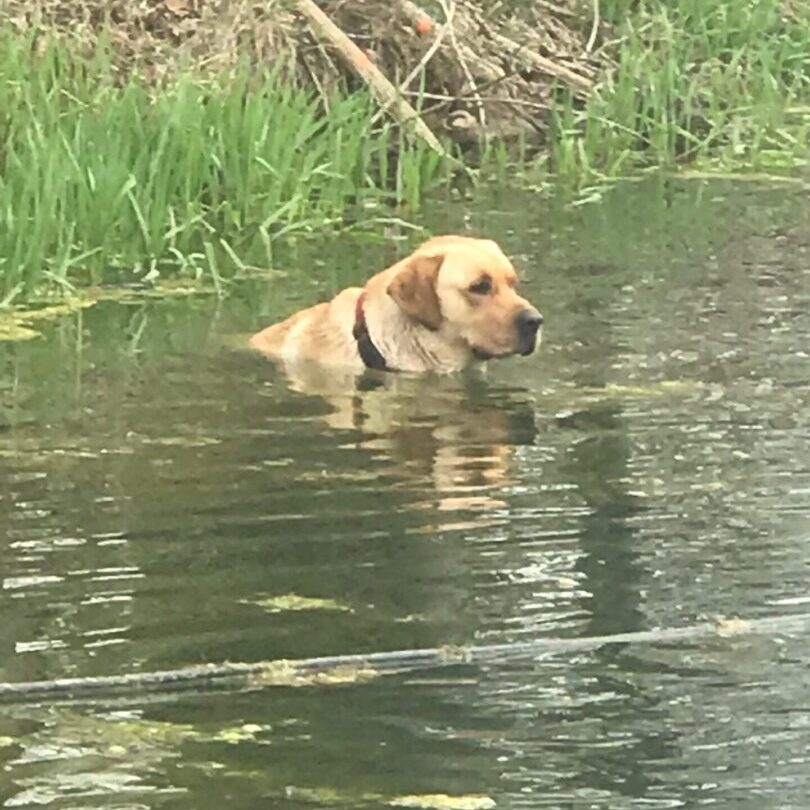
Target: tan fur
point(414, 290)
point(420, 313)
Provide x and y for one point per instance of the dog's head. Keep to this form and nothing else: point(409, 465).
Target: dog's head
point(468, 288)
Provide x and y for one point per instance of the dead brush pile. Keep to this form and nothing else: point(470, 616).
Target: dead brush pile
point(473, 68)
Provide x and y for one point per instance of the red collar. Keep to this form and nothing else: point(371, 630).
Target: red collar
point(370, 354)
point(360, 315)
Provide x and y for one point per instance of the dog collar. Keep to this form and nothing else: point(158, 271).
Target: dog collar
point(369, 353)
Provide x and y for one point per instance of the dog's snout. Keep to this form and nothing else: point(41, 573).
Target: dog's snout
point(528, 323)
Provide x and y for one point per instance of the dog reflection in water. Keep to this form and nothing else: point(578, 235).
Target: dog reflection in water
point(452, 438)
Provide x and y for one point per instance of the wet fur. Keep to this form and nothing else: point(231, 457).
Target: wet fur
point(420, 313)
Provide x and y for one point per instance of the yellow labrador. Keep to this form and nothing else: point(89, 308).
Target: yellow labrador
point(452, 301)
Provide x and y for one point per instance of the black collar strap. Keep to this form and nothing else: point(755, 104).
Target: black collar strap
point(365, 345)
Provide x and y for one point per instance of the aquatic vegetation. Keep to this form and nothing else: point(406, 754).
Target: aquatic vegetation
point(443, 801)
point(326, 796)
point(568, 398)
point(140, 741)
point(13, 331)
point(731, 626)
point(290, 673)
point(23, 324)
point(292, 601)
point(659, 388)
point(248, 732)
point(27, 322)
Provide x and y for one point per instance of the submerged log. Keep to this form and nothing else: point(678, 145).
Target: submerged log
point(347, 669)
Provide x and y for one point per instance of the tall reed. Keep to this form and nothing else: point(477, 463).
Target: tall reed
point(100, 178)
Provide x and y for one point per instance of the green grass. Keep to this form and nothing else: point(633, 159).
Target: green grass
point(700, 81)
point(101, 181)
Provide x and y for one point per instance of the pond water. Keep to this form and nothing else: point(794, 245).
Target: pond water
point(166, 500)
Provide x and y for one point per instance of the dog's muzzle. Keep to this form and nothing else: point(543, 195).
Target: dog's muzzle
point(527, 323)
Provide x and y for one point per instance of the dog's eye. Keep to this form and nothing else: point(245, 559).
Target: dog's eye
point(481, 287)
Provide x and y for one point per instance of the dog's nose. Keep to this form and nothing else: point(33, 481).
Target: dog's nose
point(528, 323)
point(529, 320)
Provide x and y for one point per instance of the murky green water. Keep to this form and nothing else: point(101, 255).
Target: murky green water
point(165, 501)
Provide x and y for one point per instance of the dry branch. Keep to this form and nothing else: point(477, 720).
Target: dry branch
point(577, 83)
point(385, 92)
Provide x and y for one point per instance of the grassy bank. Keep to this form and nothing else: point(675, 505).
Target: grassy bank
point(712, 82)
point(100, 181)
point(105, 177)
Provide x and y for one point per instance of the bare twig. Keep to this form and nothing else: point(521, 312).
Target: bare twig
point(516, 51)
point(445, 99)
point(316, 81)
point(385, 92)
point(543, 64)
point(423, 62)
point(483, 66)
point(434, 46)
point(555, 9)
point(594, 28)
point(448, 9)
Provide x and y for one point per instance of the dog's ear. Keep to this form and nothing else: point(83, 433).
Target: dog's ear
point(414, 290)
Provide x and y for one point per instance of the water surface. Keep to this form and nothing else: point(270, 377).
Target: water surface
point(166, 501)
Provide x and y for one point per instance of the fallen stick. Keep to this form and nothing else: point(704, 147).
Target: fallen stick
point(384, 91)
point(353, 668)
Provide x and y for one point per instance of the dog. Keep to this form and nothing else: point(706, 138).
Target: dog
point(451, 302)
